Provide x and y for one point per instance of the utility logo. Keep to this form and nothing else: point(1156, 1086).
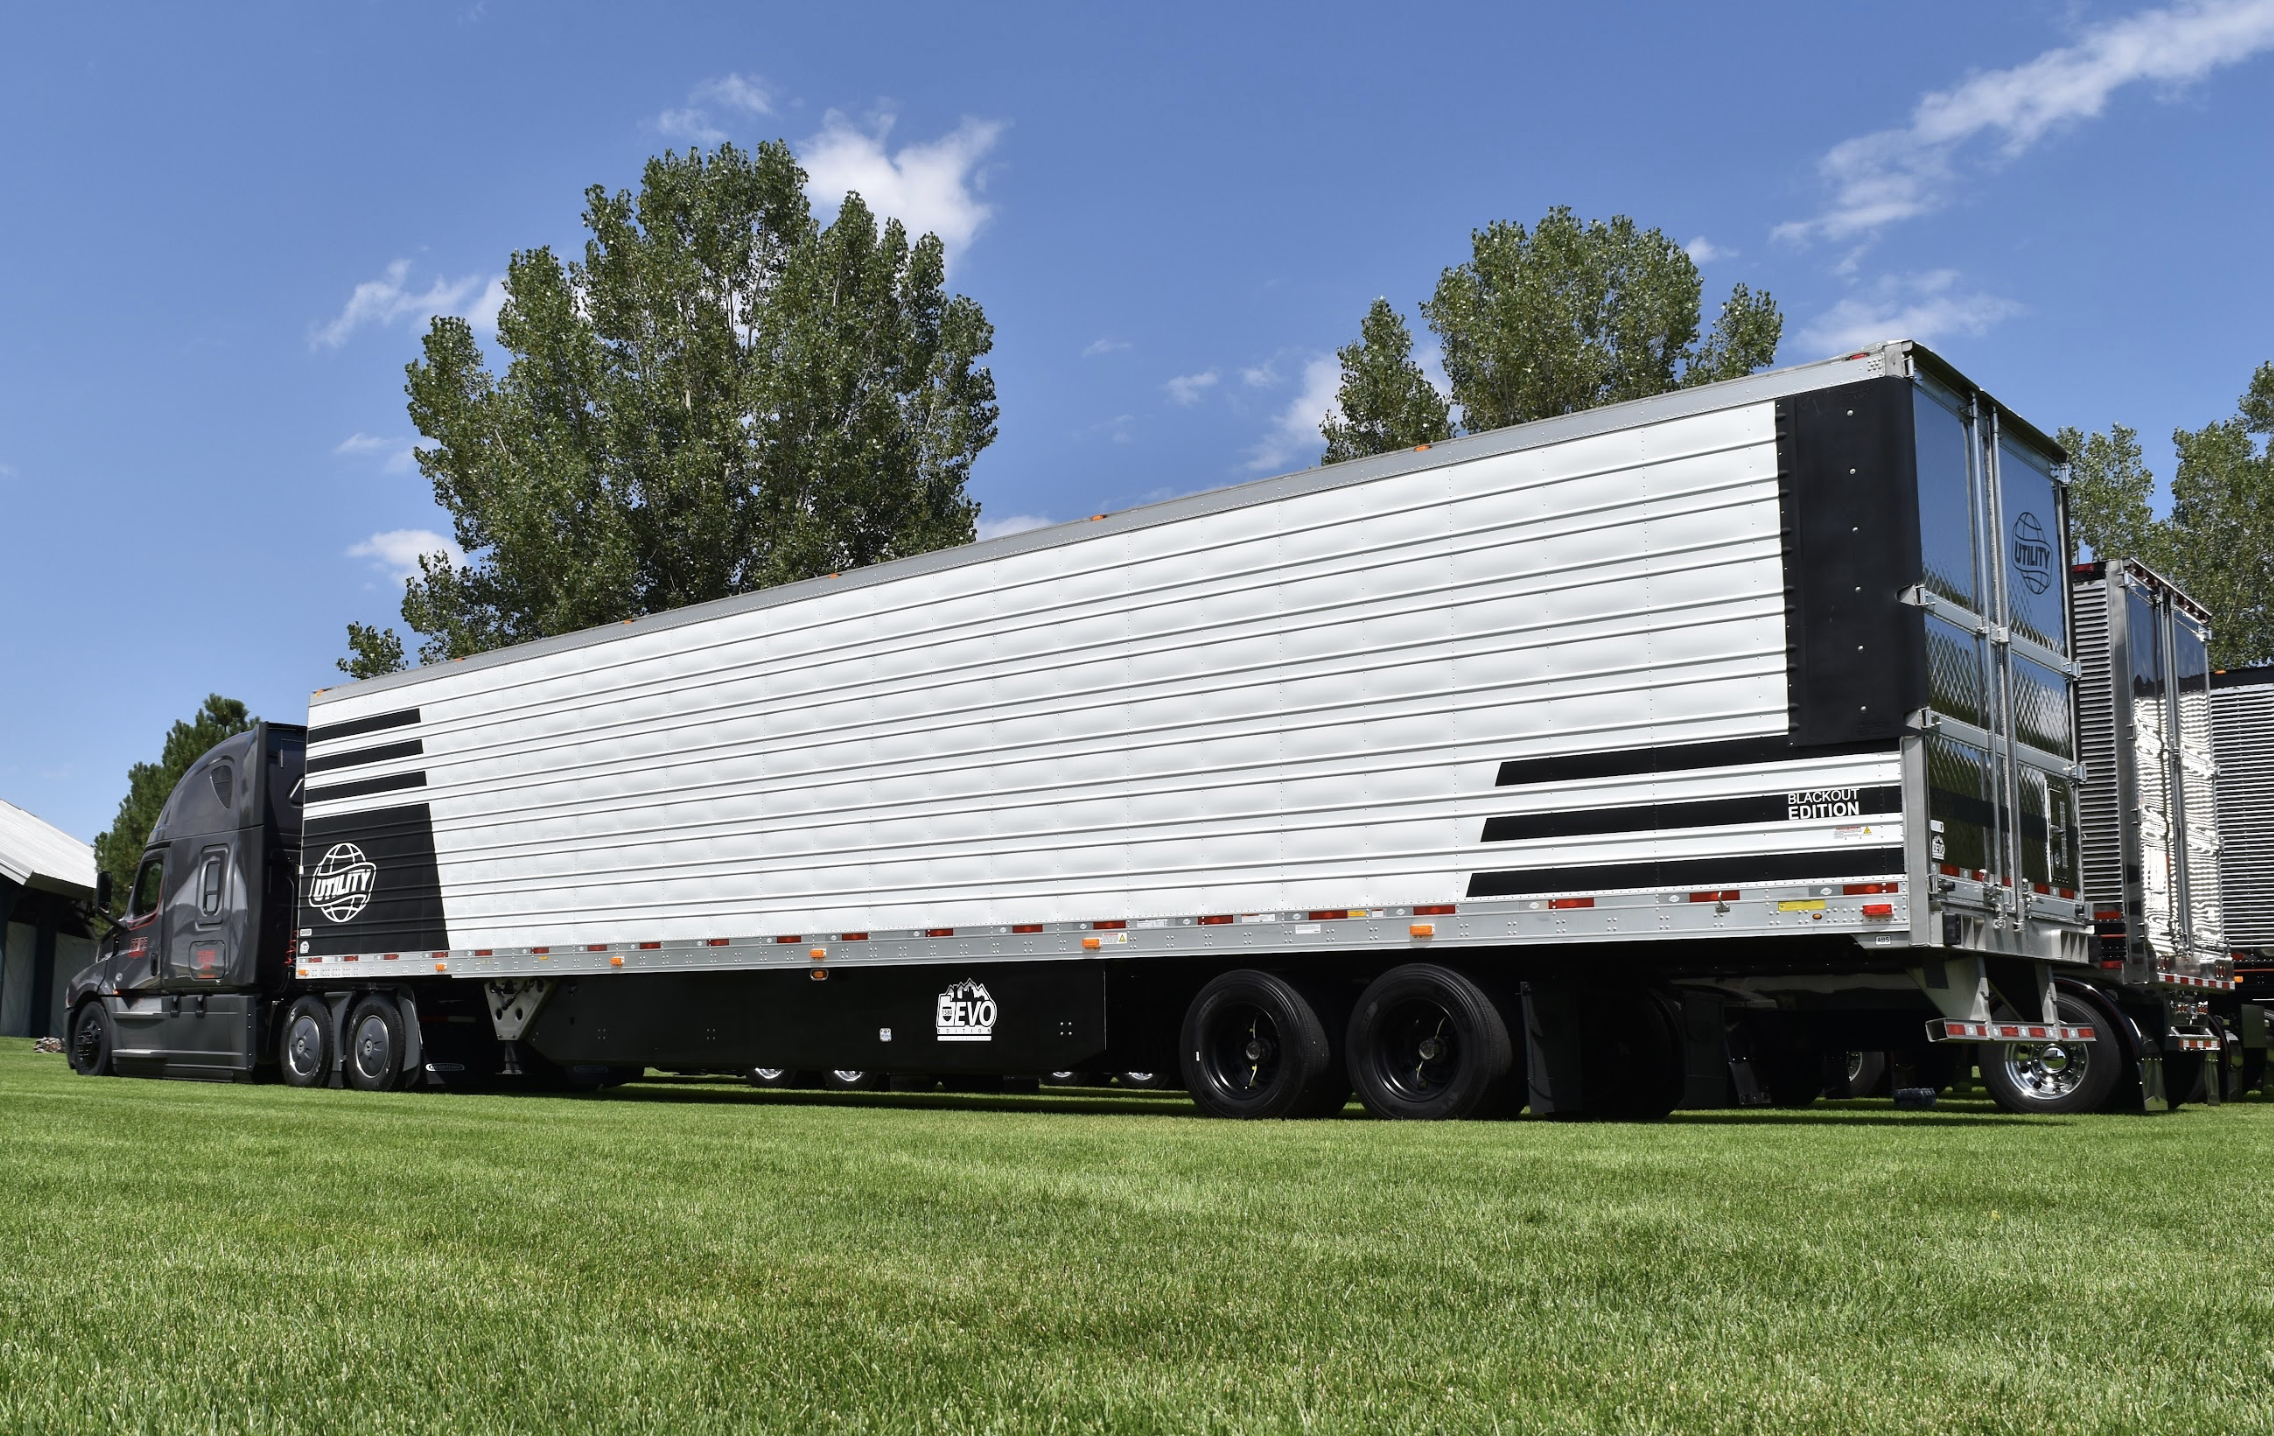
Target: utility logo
point(966, 1013)
point(342, 882)
point(2032, 554)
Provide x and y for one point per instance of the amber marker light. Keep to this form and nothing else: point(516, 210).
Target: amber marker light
point(1423, 929)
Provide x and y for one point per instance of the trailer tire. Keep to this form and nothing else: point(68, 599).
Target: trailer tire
point(778, 1078)
point(849, 1079)
point(376, 1045)
point(304, 1043)
point(1252, 1045)
point(2050, 1078)
point(91, 1040)
point(1427, 1044)
point(1144, 1081)
point(1631, 1067)
point(1859, 1074)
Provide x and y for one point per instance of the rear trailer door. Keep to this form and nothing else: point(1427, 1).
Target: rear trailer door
point(1998, 756)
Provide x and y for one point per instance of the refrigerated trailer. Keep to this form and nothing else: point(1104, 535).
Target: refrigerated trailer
point(2156, 861)
point(2242, 722)
point(1623, 759)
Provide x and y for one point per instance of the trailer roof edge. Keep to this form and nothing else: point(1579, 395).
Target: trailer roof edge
point(1891, 357)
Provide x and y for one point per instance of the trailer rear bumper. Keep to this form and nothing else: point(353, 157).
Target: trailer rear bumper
point(1945, 1029)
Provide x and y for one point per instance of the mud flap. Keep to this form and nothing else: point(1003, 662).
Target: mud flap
point(1551, 1050)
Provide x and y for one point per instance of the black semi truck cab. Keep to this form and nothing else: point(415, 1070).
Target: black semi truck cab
point(188, 980)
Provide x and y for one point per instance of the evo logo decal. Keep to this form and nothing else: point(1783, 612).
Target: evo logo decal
point(966, 1013)
point(342, 882)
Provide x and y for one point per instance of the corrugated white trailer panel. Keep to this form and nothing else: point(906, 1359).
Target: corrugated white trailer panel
point(1305, 694)
point(2242, 712)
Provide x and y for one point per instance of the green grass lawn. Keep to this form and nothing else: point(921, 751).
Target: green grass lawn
point(688, 1257)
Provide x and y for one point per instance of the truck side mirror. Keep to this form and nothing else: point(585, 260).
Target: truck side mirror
point(103, 892)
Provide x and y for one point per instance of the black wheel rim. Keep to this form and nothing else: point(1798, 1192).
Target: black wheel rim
point(1419, 1053)
point(1244, 1053)
point(303, 1043)
point(87, 1042)
point(374, 1051)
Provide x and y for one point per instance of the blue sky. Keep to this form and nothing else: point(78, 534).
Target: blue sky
point(225, 231)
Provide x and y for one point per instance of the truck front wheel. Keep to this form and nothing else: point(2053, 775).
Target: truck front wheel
point(1253, 1046)
point(2055, 1077)
point(1426, 1044)
point(91, 1041)
point(304, 1050)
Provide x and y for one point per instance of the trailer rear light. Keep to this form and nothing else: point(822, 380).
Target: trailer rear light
point(1952, 1030)
point(2044, 888)
point(650, 946)
point(1221, 919)
point(716, 941)
point(1725, 895)
point(1091, 942)
point(540, 951)
point(852, 937)
point(1879, 909)
point(1950, 872)
point(1114, 926)
point(1329, 915)
point(1422, 929)
point(2112, 964)
point(820, 974)
point(1026, 927)
point(1570, 902)
point(2108, 915)
point(939, 932)
point(1434, 909)
point(596, 947)
point(352, 957)
point(481, 952)
point(1858, 889)
point(792, 938)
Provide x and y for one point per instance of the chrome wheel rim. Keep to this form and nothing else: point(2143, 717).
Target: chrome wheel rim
point(2046, 1071)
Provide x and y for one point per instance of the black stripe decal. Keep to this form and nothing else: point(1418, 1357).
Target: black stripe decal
point(1674, 758)
point(392, 783)
point(1800, 806)
point(409, 748)
point(1693, 872)
point(357, 727)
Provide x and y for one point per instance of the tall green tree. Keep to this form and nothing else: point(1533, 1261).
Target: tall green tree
point(2110, 494)
point(119, 849)
point(1561, 317)
point(2217, 542)
point(1385, 402)
point(723, 395)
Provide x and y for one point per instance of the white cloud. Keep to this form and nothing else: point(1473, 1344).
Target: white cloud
point(931, 188)
point(1704, 251)
point(389, 298)
point(398, 550)
point(395, 453)
point(733, 92)
point(1294, 436)
point(1012, 524)
point(1260, 376)
point(1895, 174)
point(1912, 306)
point(1104, 346)
point(1187, 388)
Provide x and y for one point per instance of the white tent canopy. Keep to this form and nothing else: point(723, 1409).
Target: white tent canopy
point(38, 855)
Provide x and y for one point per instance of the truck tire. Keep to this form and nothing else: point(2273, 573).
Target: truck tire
point(1426, 1044)
point(375, 1045)
point(854, 1080)
point(2054, 1078)
point(1631, 1066)
point(1252, 1045)
point(304, 1044)
point(91, 1041)
point(1143, 1081)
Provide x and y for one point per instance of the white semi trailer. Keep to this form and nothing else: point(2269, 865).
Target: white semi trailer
point(1598, 764)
